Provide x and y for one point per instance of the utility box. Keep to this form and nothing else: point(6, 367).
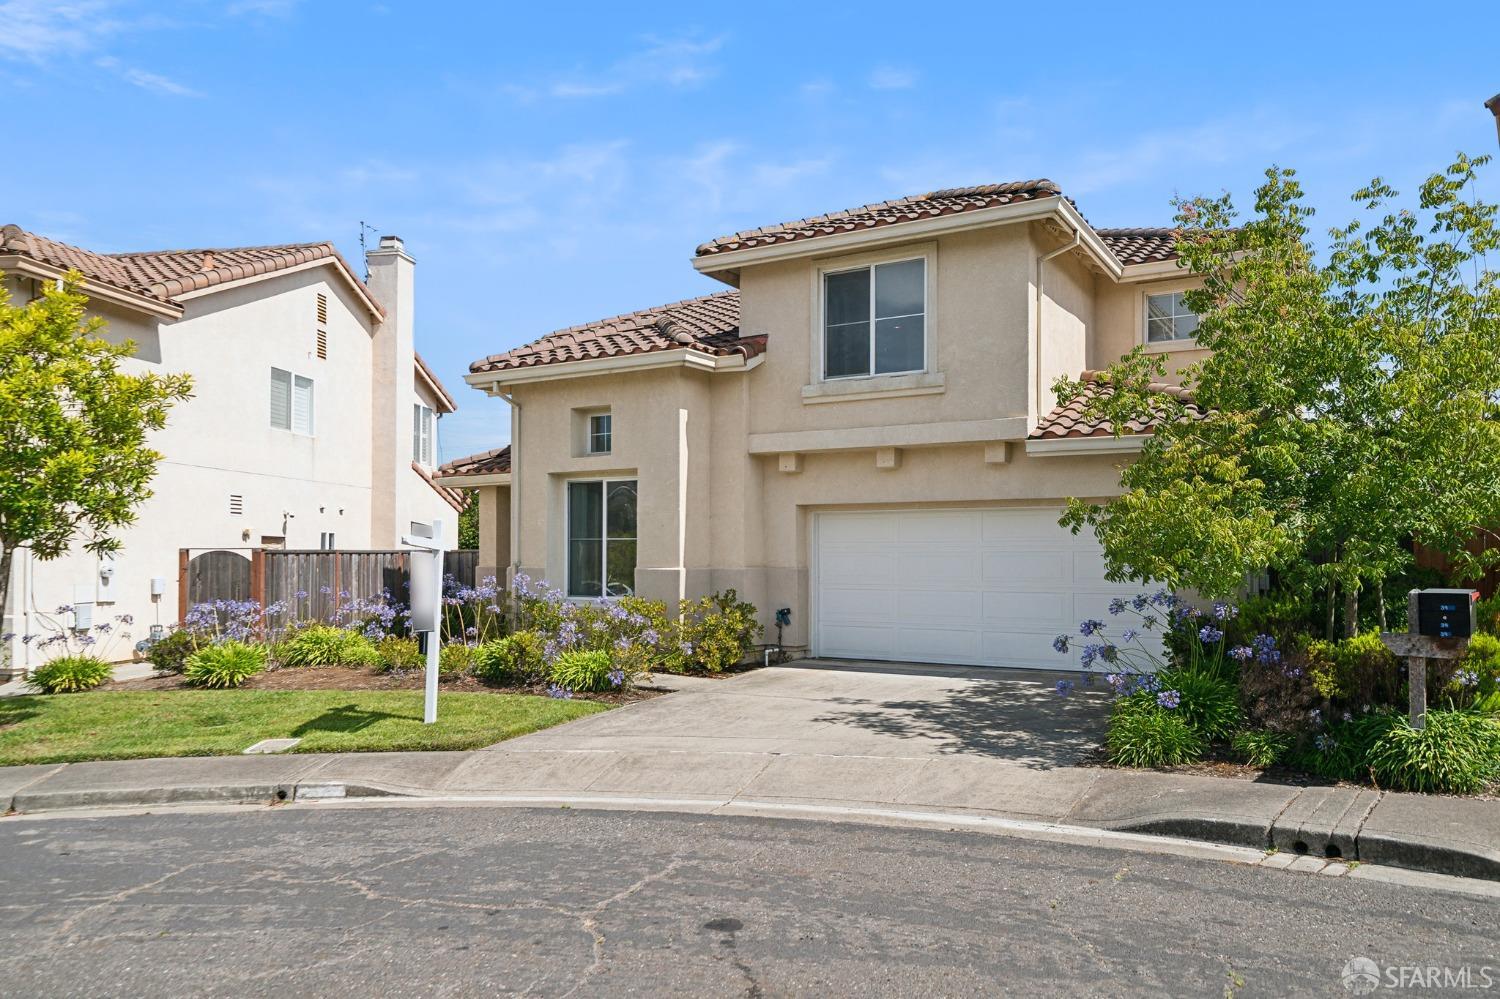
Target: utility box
point(1444, 613)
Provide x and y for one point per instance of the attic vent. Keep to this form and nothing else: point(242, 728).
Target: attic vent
point(322, 309)
point(322, 345)
point(236, 504)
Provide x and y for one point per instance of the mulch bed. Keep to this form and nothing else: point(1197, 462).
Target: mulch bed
point(340, 678)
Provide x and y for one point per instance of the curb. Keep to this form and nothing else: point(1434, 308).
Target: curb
point(1335, 842)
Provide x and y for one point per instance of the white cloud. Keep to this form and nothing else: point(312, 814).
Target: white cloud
point(154, 82)
point(38, 30)
point(892, 78)
point(677, 62)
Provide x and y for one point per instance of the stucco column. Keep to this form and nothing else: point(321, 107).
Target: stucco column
point(393, 392)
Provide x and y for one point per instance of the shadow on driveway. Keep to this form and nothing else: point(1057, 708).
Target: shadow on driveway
point(1014, 715)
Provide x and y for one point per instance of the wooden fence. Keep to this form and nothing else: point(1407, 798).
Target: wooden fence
point(312, 584)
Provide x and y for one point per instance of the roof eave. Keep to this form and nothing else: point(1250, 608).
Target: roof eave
point(94, 288)
point(725, 264)
point(1096, 444)
point(446, 402)
point(684, 357)
point(462, 480)
point(377, 312)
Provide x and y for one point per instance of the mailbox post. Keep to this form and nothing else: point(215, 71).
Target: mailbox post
point(427, 604)
point(1439, 624)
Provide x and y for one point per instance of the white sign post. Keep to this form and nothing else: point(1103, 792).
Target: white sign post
point(427, 604)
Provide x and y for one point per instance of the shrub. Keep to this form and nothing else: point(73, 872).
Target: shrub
point(323, 645)
point(227, 664)
point(1487, 614)
point(1457, 753)
point(1353, 672)
point(169, 654)
point(70, 674)
point(1260, 747)
point(454, 660)
point(1208, 704)
point(1476, 677)
point(716, 632)
point(399, 653)
point(589, 670)
point(1144, 734)
point(1277, 693)
point(514, 660)
point(1342, 752)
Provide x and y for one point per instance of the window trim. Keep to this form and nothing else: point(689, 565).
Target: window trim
point(818, 354)
point(1143, 325)
point(604, 484)
point(424, 431)
point(589, 433)
point(291, 404)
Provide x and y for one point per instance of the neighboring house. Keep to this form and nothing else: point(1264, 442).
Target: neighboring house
point(313, 422)
point(864, 432)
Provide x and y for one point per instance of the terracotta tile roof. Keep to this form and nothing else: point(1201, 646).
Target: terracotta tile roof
point(710, 324)
point(950, 201)
point(166, 274)
point(1071, 421)
point(445, 400)
point(495, 461)
point(1140, 246)
point(454, 497)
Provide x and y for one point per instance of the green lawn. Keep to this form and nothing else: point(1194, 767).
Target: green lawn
point(66, 728)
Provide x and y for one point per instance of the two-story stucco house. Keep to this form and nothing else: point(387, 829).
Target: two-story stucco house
point(863, 432)
point(313, 422)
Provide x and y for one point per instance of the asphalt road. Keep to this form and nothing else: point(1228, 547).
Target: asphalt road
point(493, 901)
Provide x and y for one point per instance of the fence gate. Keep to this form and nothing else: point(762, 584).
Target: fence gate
point(310, 584)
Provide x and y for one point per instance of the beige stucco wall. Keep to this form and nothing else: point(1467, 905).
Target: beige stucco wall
point(1121, 311)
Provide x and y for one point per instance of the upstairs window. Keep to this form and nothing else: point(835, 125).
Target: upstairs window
point(601, 433)
point(874, 320)
point(423, 435)
point(291, 402)
point(1168, 318)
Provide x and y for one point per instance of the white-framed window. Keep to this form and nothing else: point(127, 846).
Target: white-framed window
point(423, 435)
point(601, 433)
point(875, 319)
point(601, 518)
point(1168, 319)
point(291, 402)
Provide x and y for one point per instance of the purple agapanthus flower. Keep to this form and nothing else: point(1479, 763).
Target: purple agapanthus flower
point(1169, 699)
point(1089, 627)
point(1241, 653)
point(1060, 643)
point(1209, 635)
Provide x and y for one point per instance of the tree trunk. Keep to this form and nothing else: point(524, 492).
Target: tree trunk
point(1351, 612)
point(1380, 594)
point(7, 555)
point(1328, 625)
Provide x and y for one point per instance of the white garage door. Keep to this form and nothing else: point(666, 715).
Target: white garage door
point(973, 587)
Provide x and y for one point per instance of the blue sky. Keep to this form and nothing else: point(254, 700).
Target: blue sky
point(553, 164)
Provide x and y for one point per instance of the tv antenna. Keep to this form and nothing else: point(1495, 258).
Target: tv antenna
point(363, 228)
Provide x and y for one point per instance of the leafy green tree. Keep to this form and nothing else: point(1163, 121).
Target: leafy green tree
point(468, 521)
point(1351, 401)
point(74, 460)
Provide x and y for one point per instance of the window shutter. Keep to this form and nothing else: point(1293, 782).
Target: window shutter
point(426, 436)
point(322, 345)
point(281, 399)
point(302, 405)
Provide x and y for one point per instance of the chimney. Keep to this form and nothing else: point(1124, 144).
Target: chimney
point(1494, 105)
point(393, 391)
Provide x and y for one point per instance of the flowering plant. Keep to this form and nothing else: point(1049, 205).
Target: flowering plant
point(1136, 655)
point(59, 638)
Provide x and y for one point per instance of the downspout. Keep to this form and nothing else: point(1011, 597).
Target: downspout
point(1036, 343)
point(515, 484)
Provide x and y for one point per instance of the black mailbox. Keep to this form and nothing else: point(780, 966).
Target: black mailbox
point(1446, 613)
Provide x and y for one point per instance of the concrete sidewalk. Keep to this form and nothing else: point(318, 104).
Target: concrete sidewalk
point(843, 736)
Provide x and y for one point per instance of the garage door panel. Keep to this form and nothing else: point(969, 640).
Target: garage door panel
point(915, 565)
point(861, 529)
point(1029, 609)
point(959, 527)
point(943, 645)
point(1026, 568)
point(972, 587)
point(875, 568)
point(917, 606)
point(857, 642)
point(1010, 526)
point(858, 605)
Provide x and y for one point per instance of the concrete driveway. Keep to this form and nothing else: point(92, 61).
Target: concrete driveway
point(833, 708)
